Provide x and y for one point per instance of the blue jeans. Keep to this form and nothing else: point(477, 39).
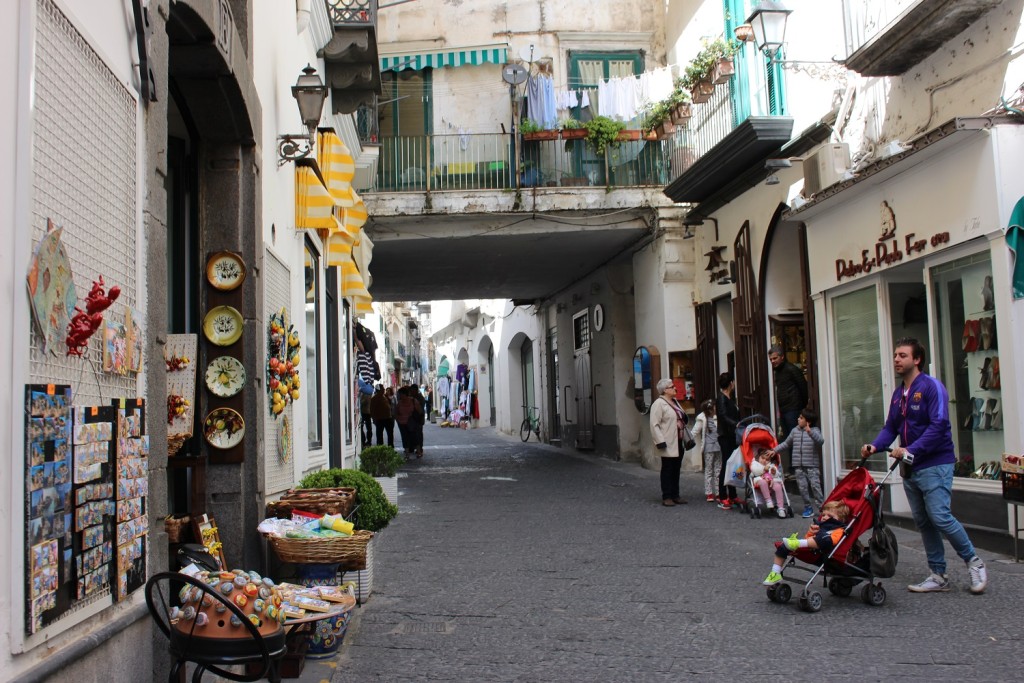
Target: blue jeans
point(928, 492)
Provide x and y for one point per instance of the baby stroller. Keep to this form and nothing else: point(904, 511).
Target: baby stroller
point(757, 435)
point(848, 564)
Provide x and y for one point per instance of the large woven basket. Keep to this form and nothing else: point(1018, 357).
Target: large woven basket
point(336, 501)
point(350, 550)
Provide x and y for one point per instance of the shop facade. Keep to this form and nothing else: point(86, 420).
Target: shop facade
point(914, 247)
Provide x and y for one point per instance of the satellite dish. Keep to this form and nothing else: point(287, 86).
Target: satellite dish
point(513, 74)
point(526, 53)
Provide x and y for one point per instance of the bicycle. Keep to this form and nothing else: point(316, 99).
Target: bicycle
point(531, 423)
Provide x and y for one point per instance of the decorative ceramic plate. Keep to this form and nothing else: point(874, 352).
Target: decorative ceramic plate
point(225, 376)
point(225, 271)
point(284, 440)
point(223, 428)
point(223, 325)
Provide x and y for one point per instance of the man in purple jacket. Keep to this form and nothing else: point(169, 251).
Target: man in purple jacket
point(919, 416)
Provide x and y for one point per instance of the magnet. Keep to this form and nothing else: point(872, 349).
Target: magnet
point(268, 582)
point(255, 620)
point(227, 587)
point(251, 590)
point(235, 621)
point(241, 581)
point(202, 619)
point(241, 600)
point(189, 613)
point(265, 592)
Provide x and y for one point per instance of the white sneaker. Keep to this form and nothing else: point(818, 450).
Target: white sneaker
point(933, 584)
point(771, 506)
point(782, 513)
point(979, 575)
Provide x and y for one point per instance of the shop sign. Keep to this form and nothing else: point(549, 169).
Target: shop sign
point(888, 250)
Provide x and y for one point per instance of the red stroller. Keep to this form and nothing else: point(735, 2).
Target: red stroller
point(757, 435)
point(848, 564)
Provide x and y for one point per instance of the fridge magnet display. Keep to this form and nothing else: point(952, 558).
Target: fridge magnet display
point(48, 430)
point(283, 356)
point(223, 428)
point(132, 491)
point(225, 376)
point(223, 325)
point(51, 287)
point(225, 271)
point(179, 356)
point(91, 525)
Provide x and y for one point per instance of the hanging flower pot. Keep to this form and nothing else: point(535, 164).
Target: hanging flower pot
point(574, 133)
point(723, 70)
point(541, 135)
point(681, 114)
point(702, 91)
point(666, 129)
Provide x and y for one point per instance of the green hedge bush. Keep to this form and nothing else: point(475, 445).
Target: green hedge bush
point(375, 512)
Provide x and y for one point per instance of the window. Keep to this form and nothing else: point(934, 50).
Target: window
point(312, 341)
point(581, 331)
point(759, 83)
point(586, 69)
point(858, 362)
point(966, 359)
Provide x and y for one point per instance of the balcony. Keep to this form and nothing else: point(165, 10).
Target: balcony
point(487, 162)
point(710, 153)
point(886, 38)
point(350, 58)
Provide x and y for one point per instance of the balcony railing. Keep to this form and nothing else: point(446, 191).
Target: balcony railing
point(352, 12)
point(712, 121)
point(490, 162)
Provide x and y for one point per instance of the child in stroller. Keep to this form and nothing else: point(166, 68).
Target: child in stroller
point(832, 548)
point(823, 535)
point(764, 473)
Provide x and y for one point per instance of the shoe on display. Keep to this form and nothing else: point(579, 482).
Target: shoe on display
point(772, 579)
point(979, 575)
point(933, 584)
point(808, 511)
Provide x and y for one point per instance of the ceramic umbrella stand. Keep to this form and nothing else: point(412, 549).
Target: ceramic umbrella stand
point(326, 637)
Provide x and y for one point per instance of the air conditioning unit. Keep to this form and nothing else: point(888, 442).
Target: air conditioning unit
point(825, 167)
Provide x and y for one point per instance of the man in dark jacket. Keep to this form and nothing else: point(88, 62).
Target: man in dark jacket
point(380, 413)
point(790, 389)
point(919, 416)
point(728, 414)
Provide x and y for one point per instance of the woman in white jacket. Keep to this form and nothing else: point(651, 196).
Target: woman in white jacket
point(667, 422)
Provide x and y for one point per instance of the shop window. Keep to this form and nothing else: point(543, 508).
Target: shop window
point(858, 362)
point(312, 341)
point(967, 361)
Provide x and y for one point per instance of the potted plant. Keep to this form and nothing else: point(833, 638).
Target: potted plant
point(382, 463)
point(720, 52)
point(603, 132)
point(658, 119)
point(713, 62)
point(679, 101)
point(572, 129)
point(532, 130)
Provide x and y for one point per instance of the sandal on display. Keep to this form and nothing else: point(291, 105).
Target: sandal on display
point(978, 404)
point(988, 333)
point(987, 298)
point(970, 339)
point(986, 373)
point(993, 379)
point(997, 414)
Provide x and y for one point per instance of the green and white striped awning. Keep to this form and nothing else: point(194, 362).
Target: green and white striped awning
point(471, 56)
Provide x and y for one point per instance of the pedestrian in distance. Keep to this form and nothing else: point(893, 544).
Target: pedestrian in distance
point(790, 389)
point(705, 432)
point(383, 419)
point(668, 425)
point(728, 415)
point(919, 416)
point(822, 535)
point(405, 406)
point(804, 446)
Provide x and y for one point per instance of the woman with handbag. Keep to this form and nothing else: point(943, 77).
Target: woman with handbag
point(671, 438)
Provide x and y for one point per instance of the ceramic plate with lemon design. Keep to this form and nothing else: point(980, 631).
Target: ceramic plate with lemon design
point(223, 428)
point(225, 376)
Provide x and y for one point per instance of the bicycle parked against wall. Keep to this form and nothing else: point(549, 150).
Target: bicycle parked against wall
point(531, 423)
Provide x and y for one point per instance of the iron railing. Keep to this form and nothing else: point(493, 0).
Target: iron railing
point(352, 12)
point(502, 161)
point(712, 121)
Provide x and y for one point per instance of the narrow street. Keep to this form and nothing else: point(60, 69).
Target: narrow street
point(525, 562)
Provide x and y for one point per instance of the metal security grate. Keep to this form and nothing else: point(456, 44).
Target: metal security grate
point(84, 163)
point(276, 295)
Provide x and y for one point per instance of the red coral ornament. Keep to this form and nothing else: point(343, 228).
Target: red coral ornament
point(85, 323)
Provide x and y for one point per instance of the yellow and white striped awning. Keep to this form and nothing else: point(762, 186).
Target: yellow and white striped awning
point(326, 201)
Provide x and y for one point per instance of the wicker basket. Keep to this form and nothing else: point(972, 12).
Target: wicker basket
point(177, 528)
point(337, 501)
point(350, 550)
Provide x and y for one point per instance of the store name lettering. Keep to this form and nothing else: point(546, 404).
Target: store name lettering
point(886, 254)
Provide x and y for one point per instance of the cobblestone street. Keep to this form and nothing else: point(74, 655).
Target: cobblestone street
point(525, 562)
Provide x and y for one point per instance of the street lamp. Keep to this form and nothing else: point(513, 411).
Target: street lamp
point(768, 21)
point(309, 92)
